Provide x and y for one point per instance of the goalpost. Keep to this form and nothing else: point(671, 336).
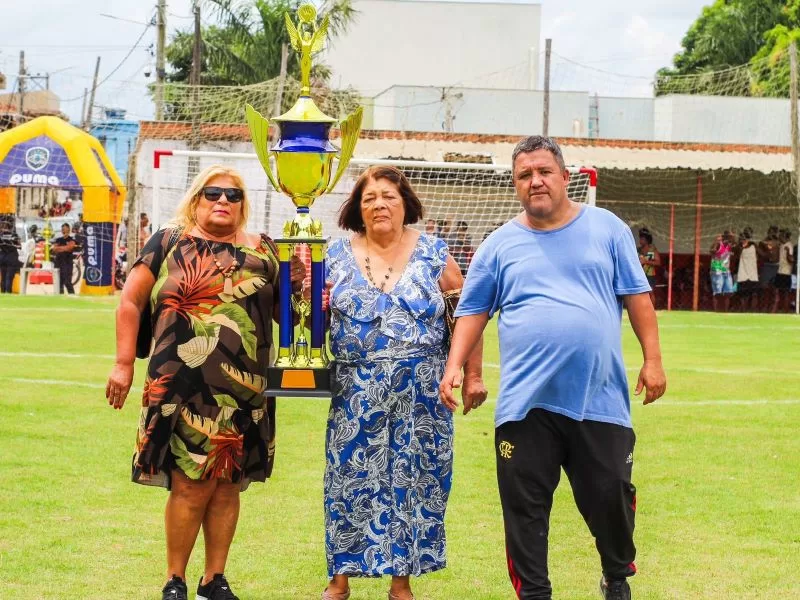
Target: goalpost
point(469, 197)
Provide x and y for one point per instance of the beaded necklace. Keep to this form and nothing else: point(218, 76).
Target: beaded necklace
point(389, 270)
point(226, 272)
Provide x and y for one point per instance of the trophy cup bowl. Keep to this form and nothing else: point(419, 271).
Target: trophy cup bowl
point(304, 175)
point(303, 156)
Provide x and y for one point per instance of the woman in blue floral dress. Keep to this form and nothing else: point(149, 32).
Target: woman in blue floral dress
point(389, 442)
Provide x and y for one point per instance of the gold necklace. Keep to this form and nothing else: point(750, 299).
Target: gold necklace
point(389, 270)
point(226, 272)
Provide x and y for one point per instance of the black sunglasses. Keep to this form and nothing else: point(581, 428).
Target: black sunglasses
point(214, 193)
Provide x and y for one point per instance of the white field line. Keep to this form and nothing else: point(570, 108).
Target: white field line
point(487, 365)
point(772, 326)
point(54, 355)
point(55, 309)
point(755, 402)
point(664, 402)
point(86, 384)
point(703, 370)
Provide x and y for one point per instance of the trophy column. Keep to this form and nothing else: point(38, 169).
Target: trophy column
point(301, 369)
point(286, 317)
point(319, 357)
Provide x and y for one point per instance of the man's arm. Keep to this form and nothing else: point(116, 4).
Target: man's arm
point(645, 326)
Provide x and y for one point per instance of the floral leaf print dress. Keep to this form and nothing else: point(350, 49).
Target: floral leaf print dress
point(389, 439)
point(203, 411)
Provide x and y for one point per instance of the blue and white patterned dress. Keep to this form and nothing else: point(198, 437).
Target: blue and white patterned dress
point(389, 442)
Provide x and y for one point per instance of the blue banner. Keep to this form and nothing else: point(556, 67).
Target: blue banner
point(98, 253)
point(38, 162)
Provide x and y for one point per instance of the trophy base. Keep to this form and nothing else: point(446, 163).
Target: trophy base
point(298, 383)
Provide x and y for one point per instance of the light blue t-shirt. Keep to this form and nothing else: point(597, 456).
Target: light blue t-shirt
point(559, 296)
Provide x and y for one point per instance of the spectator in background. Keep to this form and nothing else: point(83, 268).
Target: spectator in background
point(650, 259)
point(62, 249)
point(491, 229)
point(9, 254)
point(783, 280)
point(794, 277)
point(430, 227)
point(747, 273)
point(145, 229)
point(447, 233)
point(462, 249)
point(122, 234)
point(769, 250)
point(721, 281)
point(28, 249)
point(79, 233)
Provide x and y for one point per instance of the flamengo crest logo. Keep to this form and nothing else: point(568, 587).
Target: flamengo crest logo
point(37, 158)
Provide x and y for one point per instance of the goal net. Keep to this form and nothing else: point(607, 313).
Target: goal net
point(466, 198)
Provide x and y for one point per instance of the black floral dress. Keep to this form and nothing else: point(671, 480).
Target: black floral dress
point(203, 411)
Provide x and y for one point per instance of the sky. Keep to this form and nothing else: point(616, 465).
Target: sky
point(612, 47)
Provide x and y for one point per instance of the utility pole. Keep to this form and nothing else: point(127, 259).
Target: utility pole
point(548, 43)
point(281, 79)
point(21, 82)
point(161, 40)
point(194, 76)
point(447, 98)
point(194, 81)
point(83, 106)
point(88, 120)
point(795, 147)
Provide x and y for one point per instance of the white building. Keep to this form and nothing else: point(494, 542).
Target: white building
point(428, 43)
point(673, 118)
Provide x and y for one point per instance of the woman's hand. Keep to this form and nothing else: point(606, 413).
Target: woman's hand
point(450, 380)
point(119, 384)
point(326, 295)
point(298, 273)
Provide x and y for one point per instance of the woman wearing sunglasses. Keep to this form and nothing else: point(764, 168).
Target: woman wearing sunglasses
point(205, 431)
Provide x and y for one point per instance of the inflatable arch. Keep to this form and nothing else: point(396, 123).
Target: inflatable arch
point(49, 152)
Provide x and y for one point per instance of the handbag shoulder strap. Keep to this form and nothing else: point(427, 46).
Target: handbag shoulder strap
point(270, 242)
point(273, 248)
point(174, 236)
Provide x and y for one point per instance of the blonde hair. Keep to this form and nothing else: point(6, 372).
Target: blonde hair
point(185, 214)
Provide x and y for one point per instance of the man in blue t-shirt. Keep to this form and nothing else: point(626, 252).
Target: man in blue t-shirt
point(559, 275)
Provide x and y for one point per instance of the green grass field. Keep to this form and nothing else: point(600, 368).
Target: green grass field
point(717, 467)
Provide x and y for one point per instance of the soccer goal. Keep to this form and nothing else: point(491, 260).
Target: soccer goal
point(468, 197)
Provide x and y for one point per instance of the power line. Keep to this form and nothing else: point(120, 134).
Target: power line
point(590, 68)
point(122, 62)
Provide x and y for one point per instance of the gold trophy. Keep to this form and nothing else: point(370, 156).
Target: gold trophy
point(303, 157)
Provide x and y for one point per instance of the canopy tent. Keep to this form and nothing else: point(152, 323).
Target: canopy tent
point(48, 152)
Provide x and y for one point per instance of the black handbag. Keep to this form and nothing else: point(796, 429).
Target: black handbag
point(144, 337)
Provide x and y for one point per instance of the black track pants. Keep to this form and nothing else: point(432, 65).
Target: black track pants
point(597, 458)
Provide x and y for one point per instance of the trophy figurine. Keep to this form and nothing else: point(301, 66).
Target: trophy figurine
point(303, 157)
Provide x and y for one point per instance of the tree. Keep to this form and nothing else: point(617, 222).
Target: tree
point(245, 46)
point(774, 54)
point(728, 33)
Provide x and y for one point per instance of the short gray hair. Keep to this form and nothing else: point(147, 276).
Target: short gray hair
point(539, 142)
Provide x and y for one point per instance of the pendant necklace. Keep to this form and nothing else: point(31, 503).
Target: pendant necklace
point(389, 270)
point(226, 272)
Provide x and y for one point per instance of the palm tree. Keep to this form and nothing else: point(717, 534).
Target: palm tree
point(245, 47)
